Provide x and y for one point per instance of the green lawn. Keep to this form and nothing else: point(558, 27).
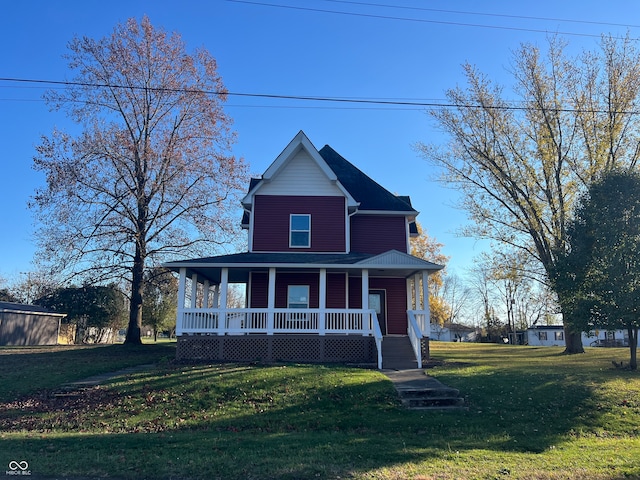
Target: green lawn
point(533, 413)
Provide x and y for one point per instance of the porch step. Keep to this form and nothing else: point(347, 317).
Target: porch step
point(431, 398)
point(397, 353)
point(418, 391)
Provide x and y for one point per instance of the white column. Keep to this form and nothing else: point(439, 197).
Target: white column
point(427, 314)
point(182, 281)
point(409, 296)
point(194, 290)
point(322, 301)
point(216, 296)
point(271, 302)
point(365, 289)
point(206, 291)
point(416, 291)
point(224, 286)
point(365, 301)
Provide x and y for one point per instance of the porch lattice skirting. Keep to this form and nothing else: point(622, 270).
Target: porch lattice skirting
point(278, 348)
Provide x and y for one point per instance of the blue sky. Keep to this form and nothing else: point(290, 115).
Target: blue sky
point(367, 51)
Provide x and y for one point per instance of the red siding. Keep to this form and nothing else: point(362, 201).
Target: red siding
point(283, 280)
point(336, 290)
point(396, 298)
point(271, 222)
point(377, 234)
point(395, 288)
point(259, 290)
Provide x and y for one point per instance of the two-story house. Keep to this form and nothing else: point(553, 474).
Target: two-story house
point(328, 273)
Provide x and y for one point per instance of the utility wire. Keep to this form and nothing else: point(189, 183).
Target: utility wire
point(417, 20)
point(495, 15)
point(344, 100)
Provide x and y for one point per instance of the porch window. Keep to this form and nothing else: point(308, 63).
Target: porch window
point(298, 296)
point(300, 231)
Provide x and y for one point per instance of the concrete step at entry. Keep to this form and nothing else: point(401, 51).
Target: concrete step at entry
point(397, 353)
point(418, 391)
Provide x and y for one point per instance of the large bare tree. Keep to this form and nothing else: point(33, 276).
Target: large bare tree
point(149, 174)
point(520, 159)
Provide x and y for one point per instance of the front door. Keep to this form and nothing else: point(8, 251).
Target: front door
point(377, 302)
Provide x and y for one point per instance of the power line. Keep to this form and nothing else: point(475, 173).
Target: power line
point(495, 15)
point(313, 98)
point(417, 20)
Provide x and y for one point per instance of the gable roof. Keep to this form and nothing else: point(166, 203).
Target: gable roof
point(361, 191)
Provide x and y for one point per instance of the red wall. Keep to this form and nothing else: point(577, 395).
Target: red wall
point(395, 288)
point(396, 300)
point(271, 222)
point(377, 234)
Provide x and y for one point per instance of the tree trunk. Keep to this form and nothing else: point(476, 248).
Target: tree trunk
point(135, 310)
point(633, 347)
point(572, 338)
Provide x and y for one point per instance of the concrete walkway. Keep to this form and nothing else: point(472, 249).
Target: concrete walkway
point(412, 379)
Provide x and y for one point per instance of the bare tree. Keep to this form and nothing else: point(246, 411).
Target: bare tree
point(150, 175)
point(519, 163)
point(427, 247)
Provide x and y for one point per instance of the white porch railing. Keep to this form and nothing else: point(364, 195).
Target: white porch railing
point(283, 320)
point(418, 327)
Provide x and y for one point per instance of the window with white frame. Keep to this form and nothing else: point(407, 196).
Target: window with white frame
point(300, 231)
point(298, 296)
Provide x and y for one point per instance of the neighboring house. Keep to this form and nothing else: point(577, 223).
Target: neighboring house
point(22, 324)
point(453, 332)
point(327, 274)
point(545, 335)
point(605, 338)
point(553, 335)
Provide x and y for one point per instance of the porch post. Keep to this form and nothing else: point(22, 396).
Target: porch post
point(271, 302)
point(206, 290)
point(216, 296)
point(224, 285)
point(322, 301)
point(425, 307)
point(409, 296)
point(365, 299)
point(182, 281)
point(416, 290)
point(194, 290)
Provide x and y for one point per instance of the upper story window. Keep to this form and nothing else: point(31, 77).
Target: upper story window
point(300, 231)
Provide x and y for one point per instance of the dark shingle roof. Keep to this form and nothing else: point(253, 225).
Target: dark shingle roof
point(21, 307)
point(371, 195)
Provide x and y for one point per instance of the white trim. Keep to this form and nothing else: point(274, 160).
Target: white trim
point(299, 142)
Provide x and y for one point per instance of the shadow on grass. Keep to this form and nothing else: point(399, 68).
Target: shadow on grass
point(26, 370)
point(291, 421)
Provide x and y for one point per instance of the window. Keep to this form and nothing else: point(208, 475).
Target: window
point(298, 296)
point(559, 336)
point(300, 231)
point(542, 335)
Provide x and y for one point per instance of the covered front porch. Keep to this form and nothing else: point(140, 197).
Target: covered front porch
point(320, 309)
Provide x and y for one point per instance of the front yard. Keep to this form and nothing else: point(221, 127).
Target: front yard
point(533, 413)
